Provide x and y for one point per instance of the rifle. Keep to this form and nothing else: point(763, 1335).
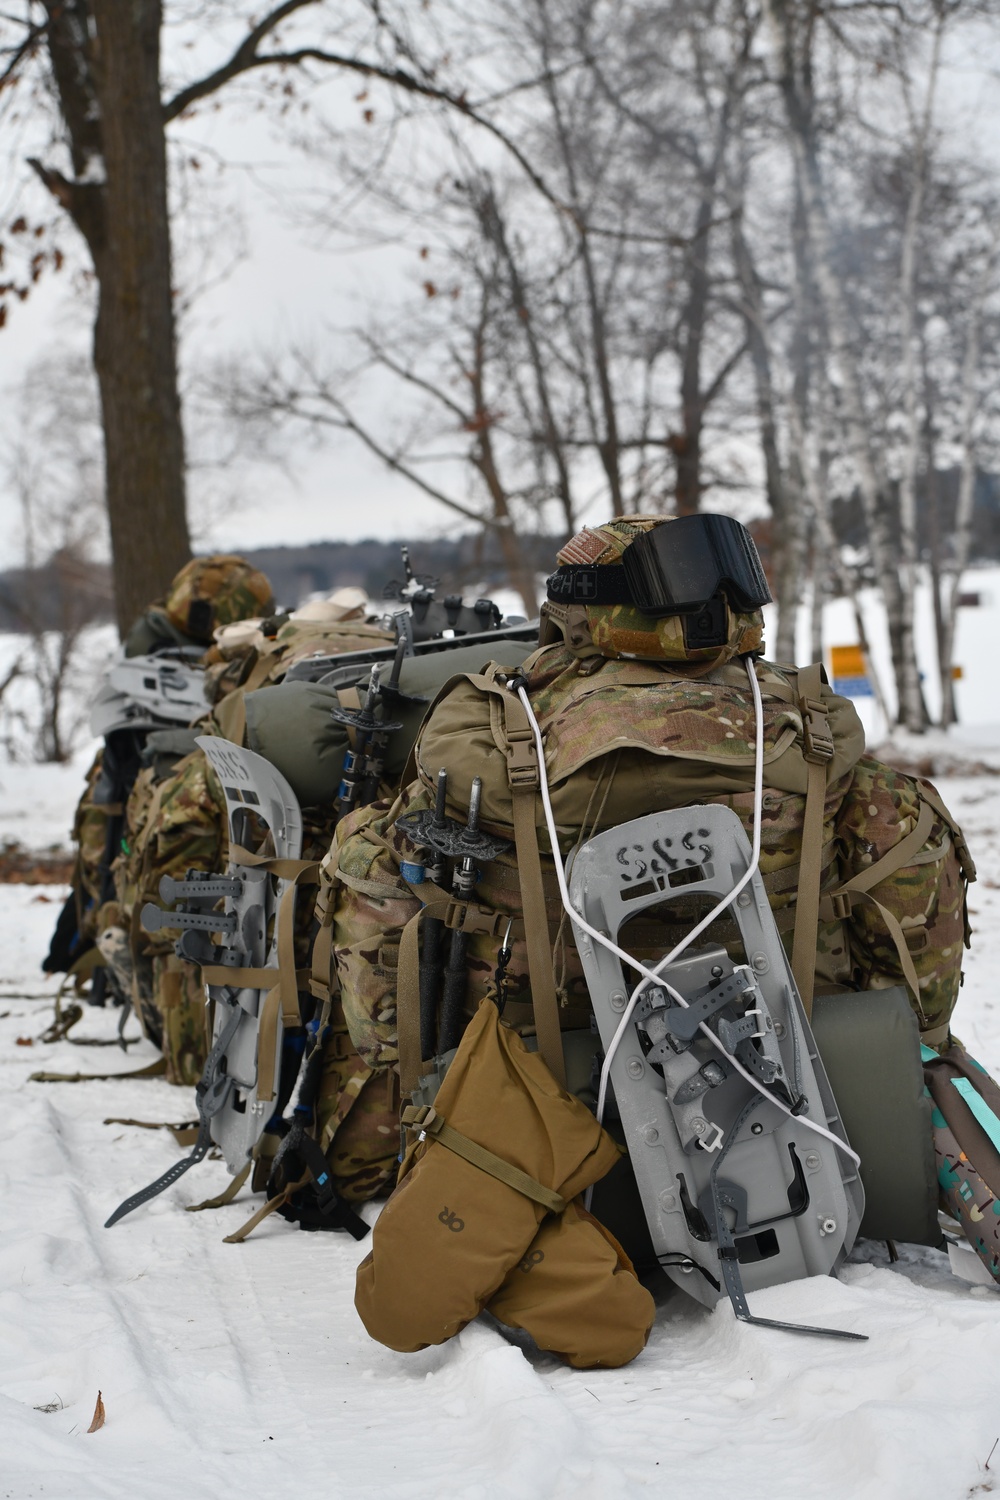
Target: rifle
point(319, 668)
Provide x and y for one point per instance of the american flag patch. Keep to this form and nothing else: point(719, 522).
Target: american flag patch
point(584, 548)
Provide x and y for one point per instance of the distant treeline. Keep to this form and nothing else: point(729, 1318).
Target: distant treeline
point(47, 598)
point(461, 565)
point(63, 591)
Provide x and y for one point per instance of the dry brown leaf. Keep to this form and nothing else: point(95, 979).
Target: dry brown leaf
point(25, 1041)
point(98, 1418)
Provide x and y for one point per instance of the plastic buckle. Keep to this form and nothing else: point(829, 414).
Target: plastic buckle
point(817, 741)
point(522, 762)
point(842, 904)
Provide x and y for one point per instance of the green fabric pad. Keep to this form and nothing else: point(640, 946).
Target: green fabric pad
point(870, 1046)
point(290, 723)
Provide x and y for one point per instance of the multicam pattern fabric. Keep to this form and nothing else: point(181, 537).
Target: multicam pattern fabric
point(374, 904)
point(179, 997)
point(231, 588)
point(927, 897)
point(621, 630)
point(680, 738)
point(357, 1120)
point(620, 741)
point(248, 667)
point(90, 834)
point(174, 825)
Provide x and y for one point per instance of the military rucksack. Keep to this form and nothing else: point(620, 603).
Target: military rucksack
point(880, 895)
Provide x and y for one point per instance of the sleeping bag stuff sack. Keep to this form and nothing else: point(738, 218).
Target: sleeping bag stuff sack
point(502, 1146)
point(966, 1122)
point(575, 1291)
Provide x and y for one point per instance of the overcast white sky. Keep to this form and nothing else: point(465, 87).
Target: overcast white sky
point(288, 284)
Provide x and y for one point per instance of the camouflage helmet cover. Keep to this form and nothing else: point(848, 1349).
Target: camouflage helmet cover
point(216, 590)
point(621, 630)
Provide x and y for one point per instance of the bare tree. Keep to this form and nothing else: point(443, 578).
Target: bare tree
point(51, 460)
point(106, 168)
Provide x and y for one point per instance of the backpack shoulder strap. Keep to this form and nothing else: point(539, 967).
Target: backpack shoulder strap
point(817, 751)
point(518, 744)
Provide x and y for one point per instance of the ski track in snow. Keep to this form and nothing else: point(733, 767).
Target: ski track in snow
point(244, 1369)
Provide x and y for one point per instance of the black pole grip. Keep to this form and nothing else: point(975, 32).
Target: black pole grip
point(453, 1000)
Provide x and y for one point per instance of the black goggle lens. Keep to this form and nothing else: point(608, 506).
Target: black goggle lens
point(679, 566)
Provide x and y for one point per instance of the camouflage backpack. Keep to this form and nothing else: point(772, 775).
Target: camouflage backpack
point(865, 868)
point(175, 822)
point(173, 826)
point(249, 666)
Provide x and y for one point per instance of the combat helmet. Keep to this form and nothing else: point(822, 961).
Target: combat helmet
point(213, 591)
point(677, 589)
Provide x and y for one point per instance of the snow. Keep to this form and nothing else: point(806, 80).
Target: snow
point(976, 636)
point(243, 1369)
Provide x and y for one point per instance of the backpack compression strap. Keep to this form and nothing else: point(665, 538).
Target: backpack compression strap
point(817, 751)
point(810, 908)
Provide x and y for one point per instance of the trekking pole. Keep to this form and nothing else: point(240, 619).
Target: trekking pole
point(389, 698)
point(367, 726)
point(432, 948)
point(447, 838)
point(434, 832)
point(463, 883)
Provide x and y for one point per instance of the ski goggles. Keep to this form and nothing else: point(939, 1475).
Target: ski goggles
point(673, 569)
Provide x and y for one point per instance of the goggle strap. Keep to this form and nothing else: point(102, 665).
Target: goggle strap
point(593, 585)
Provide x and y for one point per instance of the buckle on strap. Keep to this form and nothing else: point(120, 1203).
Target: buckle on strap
point(420, 1118)
point(522, 760)
point(461, 916)
point(836, 906)
point(817, 740)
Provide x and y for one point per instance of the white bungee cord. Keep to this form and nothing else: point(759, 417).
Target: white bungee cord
point(654, 976)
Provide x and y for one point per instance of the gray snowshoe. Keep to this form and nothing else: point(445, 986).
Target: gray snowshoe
point(241, 1087)
point(738, 1194)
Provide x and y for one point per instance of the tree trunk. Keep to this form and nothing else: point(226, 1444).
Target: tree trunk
point(785, 500)
point(795, 84)
point(967, 481)
point(134, 339)
point(819, 577)
point(912, 710)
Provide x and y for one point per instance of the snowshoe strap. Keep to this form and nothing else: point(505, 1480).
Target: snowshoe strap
point(151, 1070)
point(168, 1178)
point(283, 983)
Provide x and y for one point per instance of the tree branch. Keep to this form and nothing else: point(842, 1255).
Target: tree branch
point(245, 59)
point(23, 50)
point(83, 201)
point(346, 421)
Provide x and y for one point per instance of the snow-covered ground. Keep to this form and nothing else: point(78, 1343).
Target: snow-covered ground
point(244, 1371)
